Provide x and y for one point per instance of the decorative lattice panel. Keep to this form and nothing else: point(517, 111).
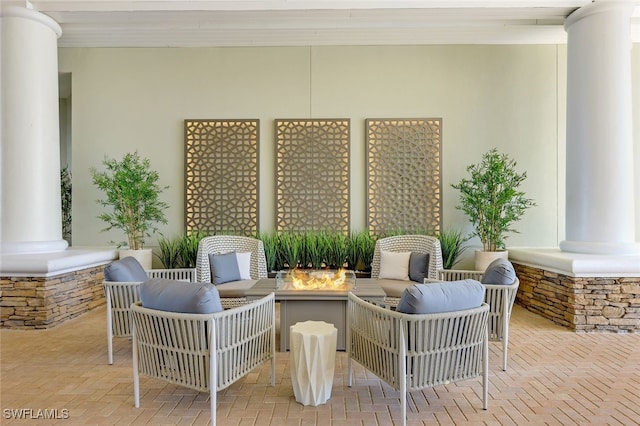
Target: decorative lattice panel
point(312, 168)
point(404, 183)
point(221, 176)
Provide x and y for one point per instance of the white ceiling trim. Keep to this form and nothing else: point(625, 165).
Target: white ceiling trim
point(263, 5)
point(189, 23)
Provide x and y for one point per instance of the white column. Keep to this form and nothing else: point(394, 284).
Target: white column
point(600, 217)
point(30, 197)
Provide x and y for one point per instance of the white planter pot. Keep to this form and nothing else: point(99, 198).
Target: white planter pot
point(484, 258)
point(144, 256)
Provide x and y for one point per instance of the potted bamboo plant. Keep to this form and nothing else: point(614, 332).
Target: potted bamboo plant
point(132, 195)
point(493, 202)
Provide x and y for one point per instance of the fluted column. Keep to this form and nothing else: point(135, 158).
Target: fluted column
point(31, 213)
point(600, 217)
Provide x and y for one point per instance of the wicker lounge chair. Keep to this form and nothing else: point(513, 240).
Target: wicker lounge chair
point(407, 243)
point(500, 299)
point(120, 295)
point(205, 352)
point(416, 351)
point(232, 294)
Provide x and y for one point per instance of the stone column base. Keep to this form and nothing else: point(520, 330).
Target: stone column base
point(44, 302)
point(584, 304)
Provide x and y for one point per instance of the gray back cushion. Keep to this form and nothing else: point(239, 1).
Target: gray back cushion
point(127, 269)
point(441, 297)
point(500, 271)
point(178, 296)
point(224, 268)
point(418, 266)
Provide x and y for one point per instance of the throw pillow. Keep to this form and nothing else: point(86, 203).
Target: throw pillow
point(127, 269)
point(178, 296)
point(500, 271)
point(394, 265)
point(244, 265)
point(418, 266)
point(441, 297)
point(224, 268)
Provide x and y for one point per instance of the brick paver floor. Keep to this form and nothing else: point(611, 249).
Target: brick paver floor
point(555, 377)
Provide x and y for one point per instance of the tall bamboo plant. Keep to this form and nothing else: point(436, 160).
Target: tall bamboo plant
point(132, 193)
point(491, 198)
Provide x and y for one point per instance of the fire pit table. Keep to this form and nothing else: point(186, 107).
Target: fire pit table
point(314, 302)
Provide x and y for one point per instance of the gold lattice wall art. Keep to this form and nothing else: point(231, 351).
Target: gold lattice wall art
point(221, 176)
point(404, 181)
point(312, 168)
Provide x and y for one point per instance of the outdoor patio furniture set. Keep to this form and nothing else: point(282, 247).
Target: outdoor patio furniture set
point(417, 335)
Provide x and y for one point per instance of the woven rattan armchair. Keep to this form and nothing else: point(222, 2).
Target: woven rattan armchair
point(218, 244)
point(423, 244)
point(500, 299)
point(120, 295)
point(205, 352)
point(417, 351)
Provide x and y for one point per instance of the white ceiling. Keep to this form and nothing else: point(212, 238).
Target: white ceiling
point(190, 23)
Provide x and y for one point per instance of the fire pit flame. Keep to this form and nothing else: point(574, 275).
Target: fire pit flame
point(317, 280)
point(342, 280)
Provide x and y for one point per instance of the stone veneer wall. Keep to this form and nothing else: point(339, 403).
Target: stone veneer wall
point(591, 304)
point(44, 302)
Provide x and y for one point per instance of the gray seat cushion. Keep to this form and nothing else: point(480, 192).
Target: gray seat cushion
point(180, 296)
point(235, 288)
point(500, 271)
point(394, 288)
point(127, 269)
point(441, 297)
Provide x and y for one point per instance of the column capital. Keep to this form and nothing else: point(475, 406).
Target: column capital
point(33, 15)
point(624, 7)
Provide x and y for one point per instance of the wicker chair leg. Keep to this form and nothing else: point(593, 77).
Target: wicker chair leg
point(485, 374)
point(273, 350)
point(109, 331)
point(404, 372)
point(505, 332)
point(136, 377)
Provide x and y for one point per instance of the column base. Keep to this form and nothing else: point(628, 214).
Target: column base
point(26, 247)
point(588, 247)
point(46, 289)
point(584, 292)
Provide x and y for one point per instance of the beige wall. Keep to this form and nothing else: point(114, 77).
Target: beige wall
point(510, 97)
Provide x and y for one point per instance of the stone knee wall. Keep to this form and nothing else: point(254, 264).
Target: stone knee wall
point(43, 302)
point(588, 304)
